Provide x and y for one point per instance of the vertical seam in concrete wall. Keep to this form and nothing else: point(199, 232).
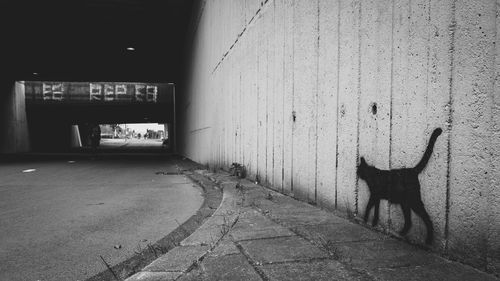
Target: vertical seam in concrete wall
point(428, 51)
point(257, 176)
point(316, 105)
point(273, 184)
point(283, 112)
point(267, 108)
point(293, 93)
point(356, 188)
point(491, 145)
point(240, 123)
point(338, 107)
point(449, 123)
point(391, 94)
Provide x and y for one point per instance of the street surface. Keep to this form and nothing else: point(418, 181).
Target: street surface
point(58, 217)
point(130, 143)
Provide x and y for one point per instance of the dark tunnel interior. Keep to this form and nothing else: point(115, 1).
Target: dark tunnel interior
point(129, 41)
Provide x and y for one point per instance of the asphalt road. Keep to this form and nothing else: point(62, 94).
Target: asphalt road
point(57, 220)
point(130, 143)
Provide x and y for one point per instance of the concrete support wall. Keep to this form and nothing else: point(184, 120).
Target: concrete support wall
point(298, 90)
point(14, 136)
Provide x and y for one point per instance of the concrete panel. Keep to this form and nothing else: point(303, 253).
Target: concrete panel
point(222, 99)
point(288, 65)
point(375, 99)
point(252, 6)
point(420, 95)
point(434, 178)
point(279, 40)
point(231, 110)
point(240, 15)
point(328, 73)
point(269, 24)
point(227, 25)
point(305, 98)
point(261, 30)
point(493, 255)
point(238, 106)
point(348, 101)
point(246, 108)
point(254, 98)
point(228, 80)
point(233, 86)
point(470, 173)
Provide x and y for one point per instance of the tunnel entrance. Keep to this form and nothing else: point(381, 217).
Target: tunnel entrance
point(129, 137)
point(131, 117)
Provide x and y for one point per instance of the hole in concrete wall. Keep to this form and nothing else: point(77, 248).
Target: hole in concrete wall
point(373, 108)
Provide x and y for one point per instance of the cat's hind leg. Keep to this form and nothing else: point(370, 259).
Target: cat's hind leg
point(407, 214)
point(376, 212)
point(419, 209)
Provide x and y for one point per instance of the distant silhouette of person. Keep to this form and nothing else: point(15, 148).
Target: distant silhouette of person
point(165, 143)
point(95, 136)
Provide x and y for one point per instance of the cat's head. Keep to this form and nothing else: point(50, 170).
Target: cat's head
point(362, 168)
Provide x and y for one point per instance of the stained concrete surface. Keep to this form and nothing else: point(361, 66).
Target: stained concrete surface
point(57, 220)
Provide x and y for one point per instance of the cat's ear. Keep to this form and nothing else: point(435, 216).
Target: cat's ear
point(362, 161)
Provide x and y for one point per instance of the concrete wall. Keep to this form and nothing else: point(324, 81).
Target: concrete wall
point(14, 136)
point(289, 89)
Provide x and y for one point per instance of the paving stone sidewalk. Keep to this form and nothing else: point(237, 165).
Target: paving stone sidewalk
point(259, 234)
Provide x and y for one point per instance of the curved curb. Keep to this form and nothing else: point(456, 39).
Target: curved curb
point(212, 199)
point(196, 246)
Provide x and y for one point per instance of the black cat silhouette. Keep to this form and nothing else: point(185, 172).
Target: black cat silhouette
point(399, 186)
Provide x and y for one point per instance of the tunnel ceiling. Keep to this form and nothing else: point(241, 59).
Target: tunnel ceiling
point(87, 40)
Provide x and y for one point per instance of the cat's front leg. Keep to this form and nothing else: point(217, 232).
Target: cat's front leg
point(407, 214)
point(369, 206)
point(376, 212)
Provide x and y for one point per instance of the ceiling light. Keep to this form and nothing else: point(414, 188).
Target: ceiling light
point(130, 49)
point(35, 73)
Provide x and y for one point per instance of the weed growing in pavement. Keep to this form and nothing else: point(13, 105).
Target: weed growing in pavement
point(152, 249)
point(329, 247)
point(225, 227)
point(156, 250)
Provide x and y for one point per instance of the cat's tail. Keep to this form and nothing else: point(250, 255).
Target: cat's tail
point(428, 152)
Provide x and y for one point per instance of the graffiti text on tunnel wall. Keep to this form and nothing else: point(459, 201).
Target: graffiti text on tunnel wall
point(98, 92)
